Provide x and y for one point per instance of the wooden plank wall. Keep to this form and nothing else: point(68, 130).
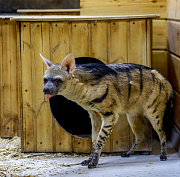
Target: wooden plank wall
point(9, 105)
point(132, 7)
point(173, 38)
point(40, 132)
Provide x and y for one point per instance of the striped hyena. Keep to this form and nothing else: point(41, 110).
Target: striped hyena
point(109, 91)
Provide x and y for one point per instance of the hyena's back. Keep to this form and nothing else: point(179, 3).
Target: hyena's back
point(140, 88)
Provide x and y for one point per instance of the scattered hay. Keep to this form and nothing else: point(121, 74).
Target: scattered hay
point(10, 148)
point(15, 163)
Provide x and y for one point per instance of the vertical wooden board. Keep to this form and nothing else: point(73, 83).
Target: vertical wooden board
point(60, 47)
point(137, 42)
point(149, 42)
point(80, 39)
point(60, 41)
point(121, 135)
point(118, 41)
point(177, 9)
point(100, 33)
point(81, 145)
point(171, 8)
point(173, 36)
point(119, 54)
point(7, 121)
point(13, 80)
point(27, 90)
point(159, 34)
point(99, 40)
point(159, 61)
point(63, 140)
point(80, 48)
point(48, 145)
point(140, 53)
point(176, 110)
point(42, 125)
point(174, 71)
point(1, 84)
point(19, 79)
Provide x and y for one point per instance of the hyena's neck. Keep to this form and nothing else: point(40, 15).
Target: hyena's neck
point(77, 91)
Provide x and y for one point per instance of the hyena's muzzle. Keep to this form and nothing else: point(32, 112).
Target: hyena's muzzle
point(50, 88)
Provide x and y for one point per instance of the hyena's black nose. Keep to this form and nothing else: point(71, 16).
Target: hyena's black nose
point(46, 91)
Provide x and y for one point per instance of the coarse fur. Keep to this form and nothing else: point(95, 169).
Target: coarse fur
point(109, 91)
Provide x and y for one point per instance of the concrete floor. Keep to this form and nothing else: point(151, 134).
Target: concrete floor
point(141, 166)
point(52, 164)
point(109, 166)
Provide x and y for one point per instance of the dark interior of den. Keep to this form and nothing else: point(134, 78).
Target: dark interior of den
point(70, 116)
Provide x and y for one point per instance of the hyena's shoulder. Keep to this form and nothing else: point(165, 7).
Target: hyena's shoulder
point(93, 72)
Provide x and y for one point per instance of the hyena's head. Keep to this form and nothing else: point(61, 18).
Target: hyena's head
point(57, 76)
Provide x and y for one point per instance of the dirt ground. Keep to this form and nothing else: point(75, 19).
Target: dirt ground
point(14, 163)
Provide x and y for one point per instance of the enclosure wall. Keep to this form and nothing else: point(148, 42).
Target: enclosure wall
point(173, 38)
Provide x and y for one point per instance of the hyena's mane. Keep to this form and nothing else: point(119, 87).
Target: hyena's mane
point(125, 67)
point(93, 72)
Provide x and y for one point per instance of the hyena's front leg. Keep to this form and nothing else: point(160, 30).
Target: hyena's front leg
point(96, 126)
point(106, 129)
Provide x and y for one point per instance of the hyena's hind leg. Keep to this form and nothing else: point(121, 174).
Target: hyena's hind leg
point(96, 126)
point(155, 117)
point(137, 125)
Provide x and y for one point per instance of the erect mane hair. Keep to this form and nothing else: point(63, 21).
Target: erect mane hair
point(93, 72)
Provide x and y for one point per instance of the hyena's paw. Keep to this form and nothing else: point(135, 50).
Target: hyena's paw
point(93, 163)
point(85, 162)
point(163, 157)
point(125, 154)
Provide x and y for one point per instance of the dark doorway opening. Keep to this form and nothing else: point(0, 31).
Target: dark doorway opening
point(70, 116)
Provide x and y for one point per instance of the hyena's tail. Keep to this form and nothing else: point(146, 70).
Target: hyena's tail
point(168, 116)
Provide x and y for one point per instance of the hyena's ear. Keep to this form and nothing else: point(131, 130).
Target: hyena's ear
point(46, 61)
point(68, 64)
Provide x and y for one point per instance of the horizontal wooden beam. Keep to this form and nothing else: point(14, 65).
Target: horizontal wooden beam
point(81, 18)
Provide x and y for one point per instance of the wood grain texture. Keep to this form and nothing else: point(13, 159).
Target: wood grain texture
point(176, 110)
point(159, 34)
point(173, 7)
point(121, 135)
point(173, 37)
point(99, 40)
point(8, 80)
point(137, 52)
point(174, 71)
point(29, 122)
point(123, 7)
point(159, 62)
point(80, 39)
point(1, 80)
point(118, 41)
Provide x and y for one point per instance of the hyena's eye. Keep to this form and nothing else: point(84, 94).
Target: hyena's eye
point(57, 81)
point(45, 80)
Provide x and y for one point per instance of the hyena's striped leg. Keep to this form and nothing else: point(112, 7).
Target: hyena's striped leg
point(156, 119)
point(137, 125)
point(106, 129)
point(96, 125)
